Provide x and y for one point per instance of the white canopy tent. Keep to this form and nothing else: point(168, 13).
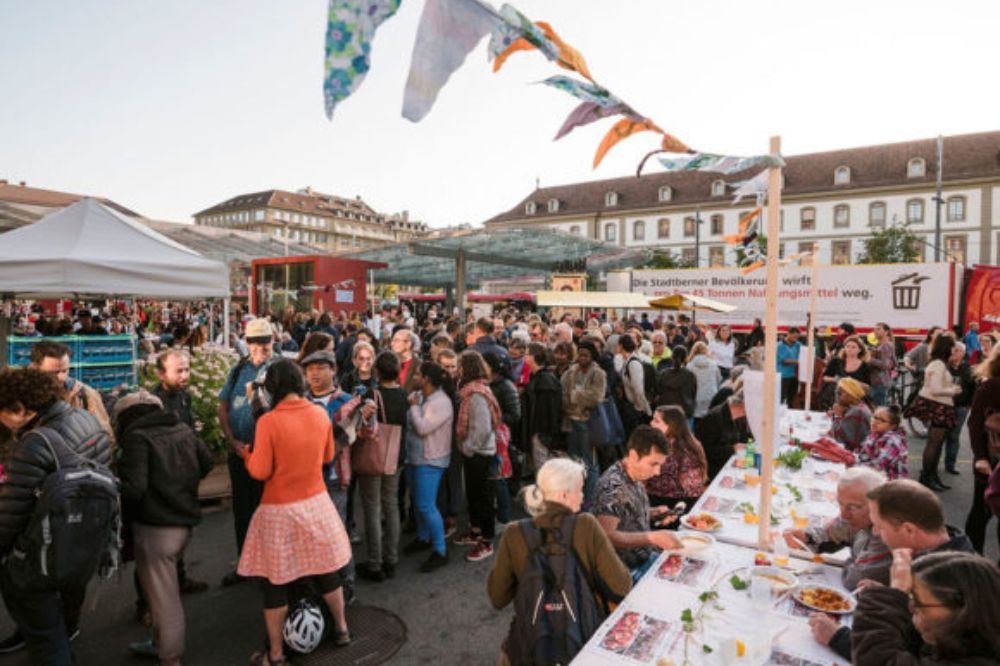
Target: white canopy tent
point(88, 249)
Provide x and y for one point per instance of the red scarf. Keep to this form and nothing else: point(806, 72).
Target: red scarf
point(478, 386)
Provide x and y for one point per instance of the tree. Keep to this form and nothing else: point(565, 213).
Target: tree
point(895, 244)
point(665, 259)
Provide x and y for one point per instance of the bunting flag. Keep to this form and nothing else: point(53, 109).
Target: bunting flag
point(754, 187)
point(351, 26)
point(748, 226)
point(623, 129)
point(587, 113)
point(518, 33)
point(448, 31)
point(585, 91)
point(726, 164)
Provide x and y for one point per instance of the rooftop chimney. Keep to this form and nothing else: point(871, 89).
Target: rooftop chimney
point(22, 183)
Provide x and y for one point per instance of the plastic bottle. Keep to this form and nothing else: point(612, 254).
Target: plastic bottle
point(749, 454)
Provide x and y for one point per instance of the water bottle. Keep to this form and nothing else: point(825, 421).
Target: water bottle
point(749, 454)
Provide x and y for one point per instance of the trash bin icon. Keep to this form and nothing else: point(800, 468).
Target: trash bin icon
point(906, 291)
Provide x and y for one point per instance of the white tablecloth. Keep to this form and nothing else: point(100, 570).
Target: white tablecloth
point(655, 605)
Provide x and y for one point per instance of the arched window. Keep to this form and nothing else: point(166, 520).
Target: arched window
point(876, 214)
point(611, 199)
point(553, 205)
point(717, 222)
point(610, 232)
point(529, 208)
point(718, 188)
point(639, 230)
point(663, 228)
point(842, 175)
point(842, 216)
point(956, 209)
point(915, 211)
point(666, 193)
point(916, 168)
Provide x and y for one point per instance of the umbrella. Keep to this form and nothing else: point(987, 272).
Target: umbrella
point(690, 302)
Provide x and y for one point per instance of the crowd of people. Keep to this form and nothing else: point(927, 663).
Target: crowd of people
point(343, 430)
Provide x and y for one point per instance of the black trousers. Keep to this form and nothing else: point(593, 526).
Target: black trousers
point(979, 514)
point(246, 498)
point(479, 493)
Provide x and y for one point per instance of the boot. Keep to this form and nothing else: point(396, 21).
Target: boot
point(937, 479)
point(928, 480)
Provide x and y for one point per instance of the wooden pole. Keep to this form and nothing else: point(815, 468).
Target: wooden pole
point(811, 356)
point(770, 346)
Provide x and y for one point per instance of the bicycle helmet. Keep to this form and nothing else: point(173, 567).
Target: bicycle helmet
point(304, 627)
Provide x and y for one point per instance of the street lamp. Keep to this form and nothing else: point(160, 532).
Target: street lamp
point(697, 237)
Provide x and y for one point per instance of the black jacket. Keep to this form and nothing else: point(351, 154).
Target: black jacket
point(162, 462)
point(717, 433)
point(487, 343)
point(509, 401)
point(677, 386)
point(31, 462)
point(541, 408)
point(177, 403)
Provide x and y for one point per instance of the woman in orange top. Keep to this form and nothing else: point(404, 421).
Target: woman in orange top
point(296, 532)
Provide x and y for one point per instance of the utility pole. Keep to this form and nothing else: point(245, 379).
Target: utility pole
point(938, 200)
point(697, 237)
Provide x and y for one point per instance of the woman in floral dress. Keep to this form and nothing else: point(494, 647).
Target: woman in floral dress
point(684, 473)
point(885, 446)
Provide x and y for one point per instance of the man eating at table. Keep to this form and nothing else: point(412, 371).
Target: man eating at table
point(904, 514)
point(870, 558)
point(622, 506)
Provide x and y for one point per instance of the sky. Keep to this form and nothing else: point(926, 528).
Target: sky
point(171, 107)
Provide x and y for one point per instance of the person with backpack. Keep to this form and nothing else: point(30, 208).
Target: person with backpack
point(53, 439)
point(633, 401)
point(162, 462)
point(676, 385)
point(53, 357)
point(560, 561)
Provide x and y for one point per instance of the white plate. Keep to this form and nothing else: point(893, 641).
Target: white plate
point(788, 579)
point(695, 542)
point(685, 521)
point(852, 603)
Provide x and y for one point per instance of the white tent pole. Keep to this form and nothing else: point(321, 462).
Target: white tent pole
point(225, 322)
point(813, 286)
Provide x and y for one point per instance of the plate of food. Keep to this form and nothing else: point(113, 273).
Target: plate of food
point(693, 542)
point(825, 599)
point(781, 581)
point(702, 522)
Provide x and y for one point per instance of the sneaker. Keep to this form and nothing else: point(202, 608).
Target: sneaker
point(389, 570)
point(434, 562)
point(144, 649)
point(416, 546)
point(192, 586)
point(450, 527)
point(12, 643)
point(482, 550)
point(467, 539)
point(374, 575)
point(232, 578)
point(341, 639)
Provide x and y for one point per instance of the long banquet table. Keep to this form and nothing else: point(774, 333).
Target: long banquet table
point(647, 627)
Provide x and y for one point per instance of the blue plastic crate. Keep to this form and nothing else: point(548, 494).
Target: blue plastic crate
point(19, 348)
point(106, 349)
point(106, 378)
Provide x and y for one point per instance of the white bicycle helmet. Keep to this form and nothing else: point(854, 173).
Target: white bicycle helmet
point(304, 627)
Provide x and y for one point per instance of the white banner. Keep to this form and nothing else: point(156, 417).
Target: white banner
point(905, 296)
point(753, 402)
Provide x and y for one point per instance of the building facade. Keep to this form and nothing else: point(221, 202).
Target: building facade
point(326, 222)
point(832, 199)
point(21, 204)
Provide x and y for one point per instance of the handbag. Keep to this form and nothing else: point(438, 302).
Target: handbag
point(376, 451)
point(605, 425)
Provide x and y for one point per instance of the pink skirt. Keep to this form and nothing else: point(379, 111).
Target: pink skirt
point(286, 542)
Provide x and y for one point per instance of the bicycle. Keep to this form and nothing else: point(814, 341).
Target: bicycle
point(902, 393)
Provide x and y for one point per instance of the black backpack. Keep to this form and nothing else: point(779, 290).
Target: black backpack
point(648, 378)
point(555, 609)
point(75, 528)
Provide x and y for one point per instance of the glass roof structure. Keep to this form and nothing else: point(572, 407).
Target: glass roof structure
point(495, 254)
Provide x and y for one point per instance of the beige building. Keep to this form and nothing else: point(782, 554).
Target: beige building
point(833, 199)
point(326, 222)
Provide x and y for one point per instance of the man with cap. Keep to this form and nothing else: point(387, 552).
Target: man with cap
point(238, 425)
point(162, 462)
point(88, 325)
point(320, 369)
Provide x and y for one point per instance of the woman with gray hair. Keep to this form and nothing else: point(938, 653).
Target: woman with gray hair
point(554, 502)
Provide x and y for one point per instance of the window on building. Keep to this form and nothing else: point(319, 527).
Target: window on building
point(688, 256)
point(915, 211)
point(718, 188)
point(916, 168)
point(663, 228)
point(529, 208)
point(806, 246)
point(841, 216)
point(955, 247)
point(610, 232)
point(639, 230)
point(690, 224)
point(716, 256)
point(876, 214)
point(611, 199)
point(781, 250)
point(781, 220)
point(258, 215)
point(956, 209)
point(553, 205)
point(718, 223)
point(666, 193)
point(842, 175)
point(575, 230)
point(841, 252)
point(807, 219)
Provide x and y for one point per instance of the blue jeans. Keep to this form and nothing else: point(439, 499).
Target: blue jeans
point(951, 444)
point(38, 613)
point(578, 446)
point(641, 570)
point(424, 481)
point(502, 492)
point(878, 394)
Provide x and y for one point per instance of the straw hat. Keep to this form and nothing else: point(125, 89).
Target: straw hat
point(851, 387)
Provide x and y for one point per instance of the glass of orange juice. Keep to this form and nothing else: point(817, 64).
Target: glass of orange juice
point(752, 478)
point(780, 552)
point(801, 522)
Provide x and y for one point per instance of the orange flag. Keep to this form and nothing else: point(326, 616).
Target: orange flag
point(672, 144)
point(623, 129)
point(518, 45)
point(751, 268)
point(569, 57)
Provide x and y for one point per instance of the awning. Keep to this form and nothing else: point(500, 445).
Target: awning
point(593, 299)
point(690, 302)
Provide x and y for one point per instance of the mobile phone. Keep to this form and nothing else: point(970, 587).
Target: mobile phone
point(360, 390)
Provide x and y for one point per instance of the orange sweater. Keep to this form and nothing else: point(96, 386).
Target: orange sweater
point(290, 446)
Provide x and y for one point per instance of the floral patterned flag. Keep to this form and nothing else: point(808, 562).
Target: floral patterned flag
point(584, 91)
point(351, 26)
point(726, 164)
point(448, 30)
point(518, 33)
point(753, 187)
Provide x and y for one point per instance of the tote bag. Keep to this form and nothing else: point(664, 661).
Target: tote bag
point(605, 425)
point(376, 451)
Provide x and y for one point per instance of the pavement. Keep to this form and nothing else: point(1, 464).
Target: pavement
point(448, 616)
